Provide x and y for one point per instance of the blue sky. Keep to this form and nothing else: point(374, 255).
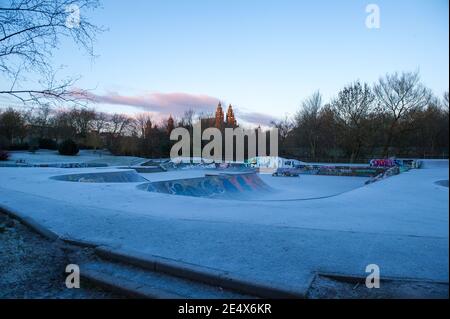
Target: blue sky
point(262, 56)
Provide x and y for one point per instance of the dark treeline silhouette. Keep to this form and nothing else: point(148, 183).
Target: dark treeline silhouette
point(138, 135)
point(397, 116)
point(46, 127)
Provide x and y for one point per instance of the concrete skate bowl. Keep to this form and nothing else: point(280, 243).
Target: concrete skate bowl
point(129, 176)
point(224, 186)
point(144, 169)
point(443, 183)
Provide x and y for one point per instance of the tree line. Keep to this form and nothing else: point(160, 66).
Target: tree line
point(398, 116)
point(46, 127)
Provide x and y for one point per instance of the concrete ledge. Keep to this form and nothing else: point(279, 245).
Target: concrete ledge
point(202, 274)
point(362, 279)
point(210, 276)
point(78, 242)
point(43, 231)
point(123, 286)
point(31, 223)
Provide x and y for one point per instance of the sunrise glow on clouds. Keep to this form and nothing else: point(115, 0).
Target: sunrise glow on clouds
point(263, 57)
point(161, 105)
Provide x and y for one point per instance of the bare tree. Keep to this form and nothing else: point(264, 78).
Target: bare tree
point(82, 120)
point(445, 101)
point(187, 120)
point(63, 125)
point(30, 30)
point(119, 123)
point(141, 123)
point(12, 125)
point(100, 122)
point(398, 95)
point(284, 126)
point(312, 104)
point(308, 124)
point(352, 107)
point(39, 120)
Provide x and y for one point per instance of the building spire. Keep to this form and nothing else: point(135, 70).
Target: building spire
point(219, 116)
point(170, 124)
point(231, 120)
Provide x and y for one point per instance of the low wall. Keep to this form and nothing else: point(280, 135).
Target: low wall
point(356, 171)
point(145, 169)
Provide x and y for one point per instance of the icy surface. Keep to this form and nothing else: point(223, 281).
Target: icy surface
point(400, 223)
point(84, 156)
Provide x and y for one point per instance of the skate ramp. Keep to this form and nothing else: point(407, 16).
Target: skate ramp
point(144, 169)
point(443, 183)
point(256, 187)
point(125, 176)
point(227, 186)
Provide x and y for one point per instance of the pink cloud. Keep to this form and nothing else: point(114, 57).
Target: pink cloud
point(168, 103)
point(163, 104)
point(257, 118)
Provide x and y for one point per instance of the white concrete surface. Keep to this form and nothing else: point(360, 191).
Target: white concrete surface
point(400, 223)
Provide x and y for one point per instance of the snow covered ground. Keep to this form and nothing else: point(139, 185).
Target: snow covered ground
point(84, 156)
point(400, 223)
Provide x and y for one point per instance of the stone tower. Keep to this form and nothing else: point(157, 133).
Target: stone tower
point(231, 120)
point(219, 116)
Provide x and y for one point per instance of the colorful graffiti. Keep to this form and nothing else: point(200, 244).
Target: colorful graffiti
point(395, 170)
point(211, 186)
point(383, 162)
point(287, 172)
point(340, 170)
point(404, 164)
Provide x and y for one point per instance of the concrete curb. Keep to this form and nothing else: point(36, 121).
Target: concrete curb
point(172, 267)
point(31, 223)
point(125, 287)
point(43, 231)
point(79, 242)
point(361, 279)
point(202, 274)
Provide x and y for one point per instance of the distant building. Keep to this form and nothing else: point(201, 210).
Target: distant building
point(170, 124)
point(219, 116)
point(222, 120)
point(231, 120)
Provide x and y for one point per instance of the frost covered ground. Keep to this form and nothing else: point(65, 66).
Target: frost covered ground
point(400, 223)
point(85, 156)
point(32, 267)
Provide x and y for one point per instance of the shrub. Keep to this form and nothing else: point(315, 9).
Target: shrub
point(47, 144)
point(68, 147)
point(33, 148)
point(19, 147)
point(4, 143)
point(33, 145)
point(4, 155)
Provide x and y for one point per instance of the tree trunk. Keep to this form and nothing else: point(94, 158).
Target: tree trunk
point(389, 139)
